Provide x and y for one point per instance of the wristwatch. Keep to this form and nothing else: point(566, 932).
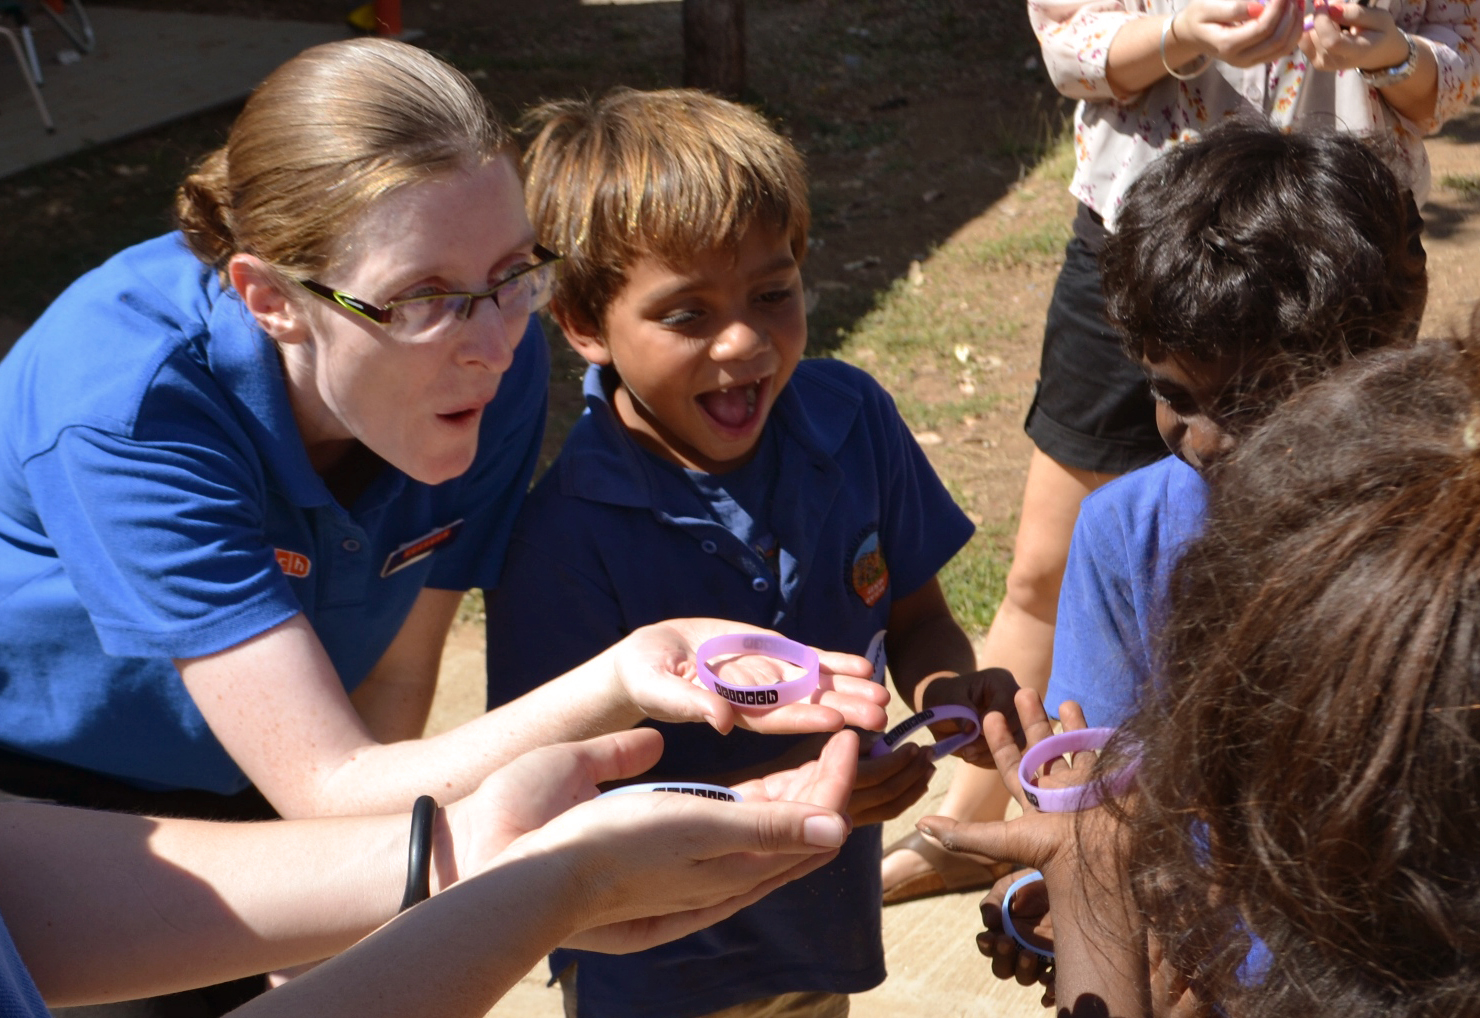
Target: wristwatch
point(1398, 72)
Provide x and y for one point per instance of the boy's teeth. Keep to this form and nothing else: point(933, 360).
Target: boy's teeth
point(732, 406)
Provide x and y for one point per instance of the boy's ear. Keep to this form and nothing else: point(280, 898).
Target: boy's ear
point(581, 333)
point(260, 289)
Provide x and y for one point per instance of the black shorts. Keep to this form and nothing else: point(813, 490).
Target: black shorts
point(1092, 409)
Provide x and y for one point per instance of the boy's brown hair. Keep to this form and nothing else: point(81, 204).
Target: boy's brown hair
point(665, 174)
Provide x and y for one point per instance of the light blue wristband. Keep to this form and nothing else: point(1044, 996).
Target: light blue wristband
point(1007, 927)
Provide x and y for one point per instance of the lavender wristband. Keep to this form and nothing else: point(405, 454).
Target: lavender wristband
point(1076, 797)
point(1012, 889)
point(759, 697)
point(683, 787)
point(892, 738)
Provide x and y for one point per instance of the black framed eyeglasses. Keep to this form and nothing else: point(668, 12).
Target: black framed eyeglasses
point(426, 316)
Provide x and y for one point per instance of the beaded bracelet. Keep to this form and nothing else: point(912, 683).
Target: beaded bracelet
point(1398, 73)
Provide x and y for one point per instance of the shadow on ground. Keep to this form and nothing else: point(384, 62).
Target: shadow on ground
point(915, 116)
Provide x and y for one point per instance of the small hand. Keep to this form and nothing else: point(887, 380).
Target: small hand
point(655, 670)
point(1031, 916)
point(826, 781)
point(890, 784)
point(1037, 840)
point(985, 691)
point(1350, 36)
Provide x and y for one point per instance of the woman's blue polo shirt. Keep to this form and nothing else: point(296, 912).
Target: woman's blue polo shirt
point(157, 502)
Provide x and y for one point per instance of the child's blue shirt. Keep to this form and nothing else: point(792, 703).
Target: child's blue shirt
point(157, 502)
point(613, 538)
point(19, 997)
point(1128, 537)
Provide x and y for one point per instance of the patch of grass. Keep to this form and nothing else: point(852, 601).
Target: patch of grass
point(922, 415)
point(471, 610)
point(1056, 164)
point(909, 328)
point(1043, 243)
point(1467, 184)
point(976, 579)
point(1042, 142)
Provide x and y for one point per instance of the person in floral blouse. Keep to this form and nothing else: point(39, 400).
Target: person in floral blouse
point(1149, 74)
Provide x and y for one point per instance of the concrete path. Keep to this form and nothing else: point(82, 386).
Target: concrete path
point(149, 67)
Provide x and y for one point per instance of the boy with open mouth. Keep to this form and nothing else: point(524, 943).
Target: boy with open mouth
point(715, 471)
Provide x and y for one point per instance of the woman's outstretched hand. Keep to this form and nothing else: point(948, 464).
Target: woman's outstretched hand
point(535, 788)
point(655, 670)
point(657, 866)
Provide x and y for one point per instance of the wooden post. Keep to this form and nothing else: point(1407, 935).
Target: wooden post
point(714, 46)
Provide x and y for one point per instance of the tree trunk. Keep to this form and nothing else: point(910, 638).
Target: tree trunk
point(714, 46)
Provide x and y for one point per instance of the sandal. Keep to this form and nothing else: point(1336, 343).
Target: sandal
point(949, 873)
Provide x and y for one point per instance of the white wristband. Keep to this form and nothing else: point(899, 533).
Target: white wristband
point(1007, 927)
point(698, 788)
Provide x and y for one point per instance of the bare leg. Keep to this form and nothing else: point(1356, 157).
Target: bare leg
point(1021, 637)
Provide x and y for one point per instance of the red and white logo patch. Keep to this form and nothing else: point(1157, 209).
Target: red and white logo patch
point(292, 563)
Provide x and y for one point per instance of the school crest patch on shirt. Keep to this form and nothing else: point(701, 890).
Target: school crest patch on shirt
point(414, 551)
point(869, 573)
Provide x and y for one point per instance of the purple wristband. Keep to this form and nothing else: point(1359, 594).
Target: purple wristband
point(682, 787)
point(1012, 889)
point(892, 738)
point(759, 697)
point(1076, 797)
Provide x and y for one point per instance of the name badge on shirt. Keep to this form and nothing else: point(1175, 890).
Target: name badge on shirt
point(414, 551)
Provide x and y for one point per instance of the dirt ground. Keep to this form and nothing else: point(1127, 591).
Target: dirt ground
point(921, 121)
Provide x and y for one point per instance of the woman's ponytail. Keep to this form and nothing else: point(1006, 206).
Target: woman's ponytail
point(203, 211)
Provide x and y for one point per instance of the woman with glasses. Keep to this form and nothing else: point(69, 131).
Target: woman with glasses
point(250, 467)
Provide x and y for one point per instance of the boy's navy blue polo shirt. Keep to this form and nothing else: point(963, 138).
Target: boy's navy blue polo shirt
point(612, 538)
point(157, 502)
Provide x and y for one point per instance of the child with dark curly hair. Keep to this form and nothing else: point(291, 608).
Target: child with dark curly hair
point(1300, 838)
point(1244, 267)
